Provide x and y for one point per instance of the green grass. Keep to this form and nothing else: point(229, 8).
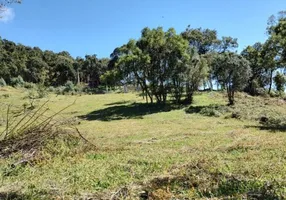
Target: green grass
point(200, 156)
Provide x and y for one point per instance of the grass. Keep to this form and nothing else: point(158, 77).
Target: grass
point(164, 151)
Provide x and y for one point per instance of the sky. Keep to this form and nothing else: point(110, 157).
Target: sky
point(99, 26)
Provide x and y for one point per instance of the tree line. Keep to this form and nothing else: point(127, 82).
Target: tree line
point(48, 68)
point(164, 64)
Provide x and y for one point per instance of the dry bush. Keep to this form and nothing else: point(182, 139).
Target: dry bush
point(29, 131)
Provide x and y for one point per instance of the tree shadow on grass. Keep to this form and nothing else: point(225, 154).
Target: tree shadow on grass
point(271, 128)
point(117, 103)
point(13, 196)
point(130, 111)
point(213, 110)
point(271, 124)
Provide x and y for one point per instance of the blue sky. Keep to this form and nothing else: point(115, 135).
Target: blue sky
point(98, 26)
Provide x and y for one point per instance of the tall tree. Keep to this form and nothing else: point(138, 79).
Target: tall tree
point(233, 72)
point(259, 79)
point(271, 59)
point(204, 40)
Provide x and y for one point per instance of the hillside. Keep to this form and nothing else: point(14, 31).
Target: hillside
point(207, 150)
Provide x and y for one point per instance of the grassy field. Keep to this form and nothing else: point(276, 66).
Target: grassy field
point(156, 152)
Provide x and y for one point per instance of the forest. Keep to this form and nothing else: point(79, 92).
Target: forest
point(162, 63)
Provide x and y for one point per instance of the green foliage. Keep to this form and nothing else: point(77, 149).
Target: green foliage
point(197, 71)
point(48, 68)
point(233, 72)
point(29, 85)
point(42, 91)
point(280, 82)
point(17, 81)
point(256, 57)
point(69, 87)
point(111, 78)
point(60, 90)
point(2, 82)
point(161, 63)
point(204, 40)
point(37, 92)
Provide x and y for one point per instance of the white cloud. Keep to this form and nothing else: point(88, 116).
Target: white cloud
point(6, 14)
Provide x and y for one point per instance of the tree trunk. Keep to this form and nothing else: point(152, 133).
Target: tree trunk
point(151, 98)
point(125, 89)
point(230, 94)
point(78, 78)
point(271, 80)
point(211, 84)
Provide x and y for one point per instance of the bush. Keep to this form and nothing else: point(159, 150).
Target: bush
point(79, 88)
point(211, 112)
point(88, 90)
point(2, 82)
point(280, 81)
point(261, 92)
point(69, 87)
point(51, 89)
point(38, 93)
point(29, 85)
point(60, 90)
point(17, 81)
point(274, 94)
point(42, 91)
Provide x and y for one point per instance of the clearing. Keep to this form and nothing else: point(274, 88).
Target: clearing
point(155, 152)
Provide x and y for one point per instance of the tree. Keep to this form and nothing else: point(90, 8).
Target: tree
point(259, 79)
point(4, 3)
point(37, 70)
point(204, 40)
point(162, 63)
point(280, 81)
point(92, 69)
point(271, 59)
point(133, 64)
point(233, 72)
point(63, 71)
point(227, 44)
point(277, 32)
point(197, 70)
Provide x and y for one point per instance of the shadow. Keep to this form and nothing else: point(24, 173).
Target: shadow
point(272, 128)
point(252, 188)
point(130, 111)
point(13, 196)
point(117, 103)
point(271, 124)
point(195, 109)
point(213, 110)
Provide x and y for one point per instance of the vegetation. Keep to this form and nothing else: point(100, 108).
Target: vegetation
point(232, 71)
point(165, 151)
point(179, 142)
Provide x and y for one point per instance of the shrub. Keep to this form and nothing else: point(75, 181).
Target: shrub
point(32, 94)
point(274, 94)
point(37, 93)
point(280, 81)
point(17, 81)
point(79, 88)
point(69, 87)
point(51, 89)
point(29, 85)
point(60, 90)
point(42, 91)
point(261, 92)
point(2, 82)
point(211, 112)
